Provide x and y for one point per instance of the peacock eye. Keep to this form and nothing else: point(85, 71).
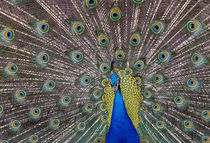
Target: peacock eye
point(135, 39)
point(34, 138)
point(193, 26)
point(205, 114)
point(55, 123)
point(12, 68)
point(160, 124)
point(139, 65)
point(44, 58)
point(158, 78)
point(103, 40)
point(50, 84)
point(42, 27)
point(178, 100)
point(104, 67)
point(205, 139)
point(164, 56)
point(78, 28)
point(81, 126)
point(8, 35)
point(192, 83)
point(158, 27)
point(147, 93)
point(97, 93)
point(1, 109)
point(197, 59)
point(90, 4)
point(104, 118)
point(187, 124)
point(88, 108)
point(156, 107)
point(85, 80)
point(20, 96)
point(115, 14)
point(138, 1)
point(76, 56)
point(119, 55)
point(16, 123)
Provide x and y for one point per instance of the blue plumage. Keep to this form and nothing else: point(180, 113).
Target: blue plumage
point(121, 128)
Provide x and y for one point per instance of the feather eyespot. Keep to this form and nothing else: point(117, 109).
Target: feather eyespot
point(4, 141)
point(119, 55)
point(187, 124)
point(11, 69)
point(157, 27)
point(91, 3)
point(147, 93)
point(105, 82)
point(193, 26)
point(104, 118)
point(33, 139)
point(158, 78)
point(76, 56)
point(138, 80)
point(88, 107)
point(164, 56)
point(138, 1)
point(97, 93)
point(42, 58)
point(36, 111)
point(99, 140)
point(49, 85)
point(1, 109)
point(192, 83)
point(205, 114)
point(8, 35)
point(54, 124)
point(42, 27)
point(160, 124)
point(102, 107)
point(104, 67)
point(128, 71)
point(78, 28)
point(81, 126)
point(65, 101)
point(115, 14)
point(156, 107)
point(143, 138)
point(144, 141)
point(205, 139)
point(178, 100)
point(15, 125)
point(135, 39)
point(85, 80)
point(197, 59)
point(20, 96)
point(139, 65)
point(103, 40)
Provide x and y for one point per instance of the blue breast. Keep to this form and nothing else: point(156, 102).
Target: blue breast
point(121, 128)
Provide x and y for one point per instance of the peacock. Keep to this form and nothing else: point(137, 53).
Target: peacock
point(104, 71)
